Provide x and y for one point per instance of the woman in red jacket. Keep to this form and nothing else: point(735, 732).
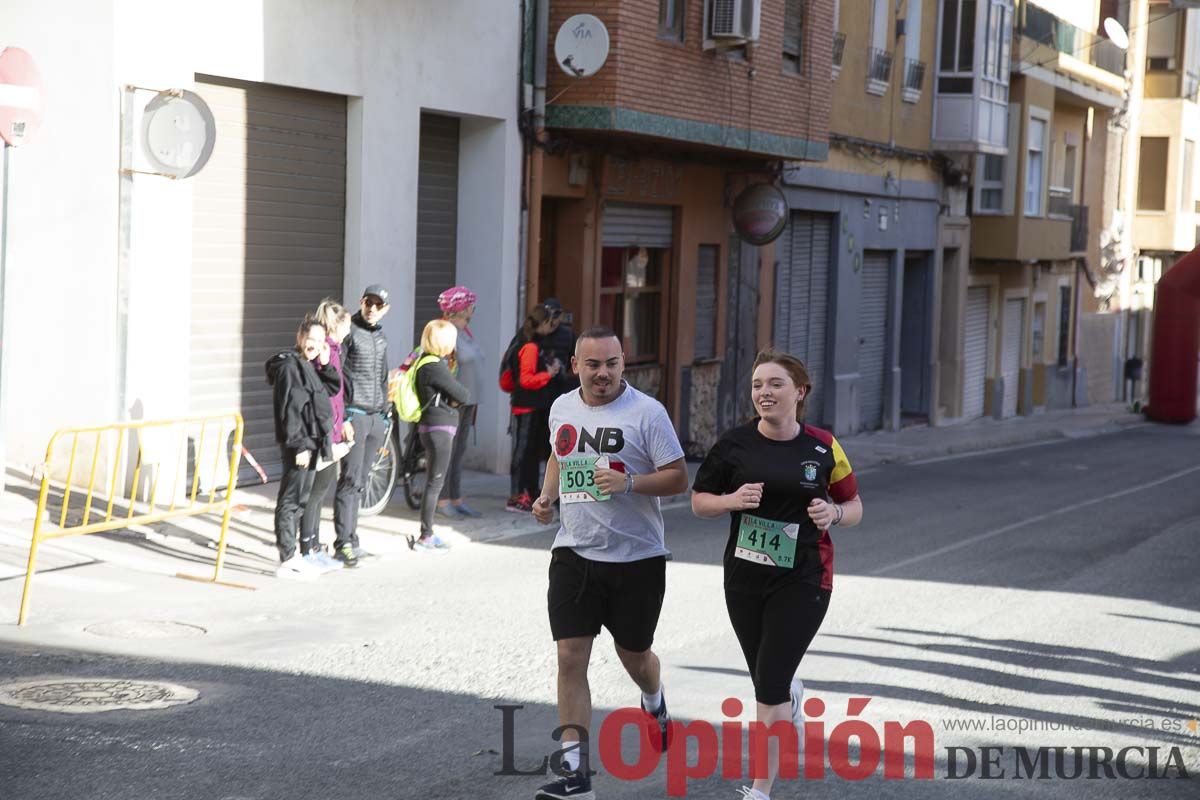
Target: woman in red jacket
point(529, 374)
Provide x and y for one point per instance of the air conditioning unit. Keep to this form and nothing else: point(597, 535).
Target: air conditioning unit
point(1160, 64)
point(731, 22)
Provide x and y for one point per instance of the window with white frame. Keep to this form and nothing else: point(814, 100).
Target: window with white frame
point(879, 23)
point(956, 60)
point(1070, 159)
point(670, 19)
point(990, 199)
point(1187, 181)
point(879, 65)
point(1035, 161)
point(793, 35)
point(914, 67)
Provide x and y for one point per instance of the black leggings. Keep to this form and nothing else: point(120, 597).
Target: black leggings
point(774, 629)
point(438, 445)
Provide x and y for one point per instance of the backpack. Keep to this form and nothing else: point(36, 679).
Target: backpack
point(408, 404)
point(514, 346)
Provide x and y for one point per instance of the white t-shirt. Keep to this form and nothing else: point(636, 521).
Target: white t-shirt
point(635, 434)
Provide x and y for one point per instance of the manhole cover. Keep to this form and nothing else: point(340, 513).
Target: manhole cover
point(88, 696)
point(145, 629)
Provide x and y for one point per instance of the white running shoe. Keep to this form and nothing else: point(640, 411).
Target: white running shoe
point(327, 561)
point(798, 708)
point(752, 794)
point(297, 568)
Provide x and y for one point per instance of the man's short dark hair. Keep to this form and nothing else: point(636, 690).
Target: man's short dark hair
point(596, 332)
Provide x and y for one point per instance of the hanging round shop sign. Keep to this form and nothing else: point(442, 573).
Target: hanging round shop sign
point(760, 214)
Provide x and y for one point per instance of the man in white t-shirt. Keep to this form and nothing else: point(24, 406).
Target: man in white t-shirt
point(615, 453)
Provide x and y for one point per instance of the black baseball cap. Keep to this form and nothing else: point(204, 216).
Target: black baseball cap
point(377, 290)
point(553, 305)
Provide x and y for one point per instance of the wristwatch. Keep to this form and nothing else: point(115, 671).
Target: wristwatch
point(628, 483)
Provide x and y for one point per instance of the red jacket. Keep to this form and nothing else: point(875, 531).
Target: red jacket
point(529, 378)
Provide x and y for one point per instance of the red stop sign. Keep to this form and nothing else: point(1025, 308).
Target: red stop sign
point(22, 96)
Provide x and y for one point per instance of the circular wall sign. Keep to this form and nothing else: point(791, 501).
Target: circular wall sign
point(760, 213)
point(178, 133)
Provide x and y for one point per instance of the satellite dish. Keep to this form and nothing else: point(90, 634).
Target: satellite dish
point(178, 133)
point(581, 46)
point(1116, 33)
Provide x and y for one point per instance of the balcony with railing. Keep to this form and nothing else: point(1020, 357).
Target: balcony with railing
point(879, 70)
point(1042, 27)
point(839, 50)
point(914, 79)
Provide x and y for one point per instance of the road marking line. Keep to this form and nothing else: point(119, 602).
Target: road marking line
point(1039, 518)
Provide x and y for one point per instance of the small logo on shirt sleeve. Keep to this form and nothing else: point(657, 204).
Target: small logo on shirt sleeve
point(821, 449)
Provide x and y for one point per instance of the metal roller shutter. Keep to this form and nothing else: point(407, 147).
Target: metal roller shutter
point(872, 348)
point(437, 218)
point(802, 299)
point(628, 225)
point(975, 351)
point(268, 226)
point(1010, 360)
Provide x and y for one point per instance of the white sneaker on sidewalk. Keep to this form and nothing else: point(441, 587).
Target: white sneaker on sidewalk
point(322, 562)
point(797, 708)
point(298, 569)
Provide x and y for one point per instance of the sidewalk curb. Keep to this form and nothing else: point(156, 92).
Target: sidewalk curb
point(1010, 439)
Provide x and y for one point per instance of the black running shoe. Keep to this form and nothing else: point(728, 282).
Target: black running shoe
point(662, 721)
point(572, 786)
point(345, 554)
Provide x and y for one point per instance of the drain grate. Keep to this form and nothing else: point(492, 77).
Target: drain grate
point(145, 629)
point(89, 696)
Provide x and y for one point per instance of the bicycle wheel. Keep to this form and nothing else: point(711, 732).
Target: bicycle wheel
point(413, 473)
point(381, 479)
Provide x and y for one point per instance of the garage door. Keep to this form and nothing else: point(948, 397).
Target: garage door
point(1010, 358)
point(437, 218)
point(872, 339)
point(268, 231)
point(802, 299)
point(975, 351)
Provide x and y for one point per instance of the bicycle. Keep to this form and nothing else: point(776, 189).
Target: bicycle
point(396, 461)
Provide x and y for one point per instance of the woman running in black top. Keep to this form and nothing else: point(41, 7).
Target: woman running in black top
point(784, 484)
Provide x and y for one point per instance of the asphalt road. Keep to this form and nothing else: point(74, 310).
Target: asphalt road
point(1037, 597)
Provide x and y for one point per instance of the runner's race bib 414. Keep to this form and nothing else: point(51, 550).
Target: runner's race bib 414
point(766, 541)
point(577, 479)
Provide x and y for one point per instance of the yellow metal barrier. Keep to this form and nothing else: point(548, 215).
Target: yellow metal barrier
point(189, 504)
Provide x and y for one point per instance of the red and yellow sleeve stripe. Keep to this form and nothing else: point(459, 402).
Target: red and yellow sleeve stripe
point(843, 486)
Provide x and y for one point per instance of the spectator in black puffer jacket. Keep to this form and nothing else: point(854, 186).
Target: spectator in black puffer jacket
point(365, 372)
point(440, 395)
point(303, 424)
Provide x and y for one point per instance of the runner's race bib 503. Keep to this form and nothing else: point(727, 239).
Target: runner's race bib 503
point(577, 479)
point(766, 541)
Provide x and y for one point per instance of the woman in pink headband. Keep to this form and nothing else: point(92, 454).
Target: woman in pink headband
point(458, 306)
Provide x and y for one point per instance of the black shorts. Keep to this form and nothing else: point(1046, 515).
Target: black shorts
point(625, 597)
